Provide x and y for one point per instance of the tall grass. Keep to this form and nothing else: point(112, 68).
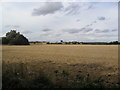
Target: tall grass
point(19, 76)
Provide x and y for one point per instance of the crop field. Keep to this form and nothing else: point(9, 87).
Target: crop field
point(64, 66)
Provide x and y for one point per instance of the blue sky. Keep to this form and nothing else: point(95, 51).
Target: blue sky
point(70, 21)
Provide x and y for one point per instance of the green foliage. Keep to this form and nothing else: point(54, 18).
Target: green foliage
point(11, 35)
point(5, 40)
point(65, 73)
point(14, 78)
point(87, 82)
point(15, 38)
point(114, 42)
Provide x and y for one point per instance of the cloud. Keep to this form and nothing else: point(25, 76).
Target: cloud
point(46, 30)
point(58, 35)
point(87, 29)
point(74, 30)
point(45, 34)
point(105, 30)
point(26, 32)
point(102, 31)
point(113, 30)
point(59, 20)
point(48, 8)
point(78, 20)
point(94, 21)
point(101, 18)
point(12, 26)
point(73, 8)
point(52, 7)
point(16, 26)
point(76, 7)
point(90, 24)
point(7, 26)
point(90, 7)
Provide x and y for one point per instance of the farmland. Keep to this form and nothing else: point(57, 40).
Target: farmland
point(63, 65)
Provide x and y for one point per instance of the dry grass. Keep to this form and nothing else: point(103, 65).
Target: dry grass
point(71, 60)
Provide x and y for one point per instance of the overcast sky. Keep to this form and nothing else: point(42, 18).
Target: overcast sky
point(69, 21)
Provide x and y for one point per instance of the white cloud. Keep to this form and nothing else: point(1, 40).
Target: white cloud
point(101, 18)
point(50, 24)
point(48, 8)
point(26, 32)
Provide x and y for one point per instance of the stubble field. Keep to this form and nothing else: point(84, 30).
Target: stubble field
point(64, 65)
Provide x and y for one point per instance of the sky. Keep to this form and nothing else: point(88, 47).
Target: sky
point(67, 21)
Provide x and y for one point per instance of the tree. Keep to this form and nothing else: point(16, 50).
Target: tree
point(114, 42)
point(5, 40)
point(61, 41)
point(15, 38)
point(11, 35)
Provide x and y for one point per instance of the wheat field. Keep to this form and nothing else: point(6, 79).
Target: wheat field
point(95, 60)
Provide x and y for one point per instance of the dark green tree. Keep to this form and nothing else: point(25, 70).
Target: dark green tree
point(15, 38)
point(5, 41)
point(11, 35)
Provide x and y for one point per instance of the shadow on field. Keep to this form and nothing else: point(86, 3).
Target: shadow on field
point(22, 75)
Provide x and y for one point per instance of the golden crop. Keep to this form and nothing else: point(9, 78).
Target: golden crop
point(97, 60)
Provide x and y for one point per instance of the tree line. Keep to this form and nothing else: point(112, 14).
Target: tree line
point(15, 38)
point(76, 42)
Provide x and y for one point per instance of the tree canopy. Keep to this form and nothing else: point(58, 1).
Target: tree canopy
point(14, 38)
